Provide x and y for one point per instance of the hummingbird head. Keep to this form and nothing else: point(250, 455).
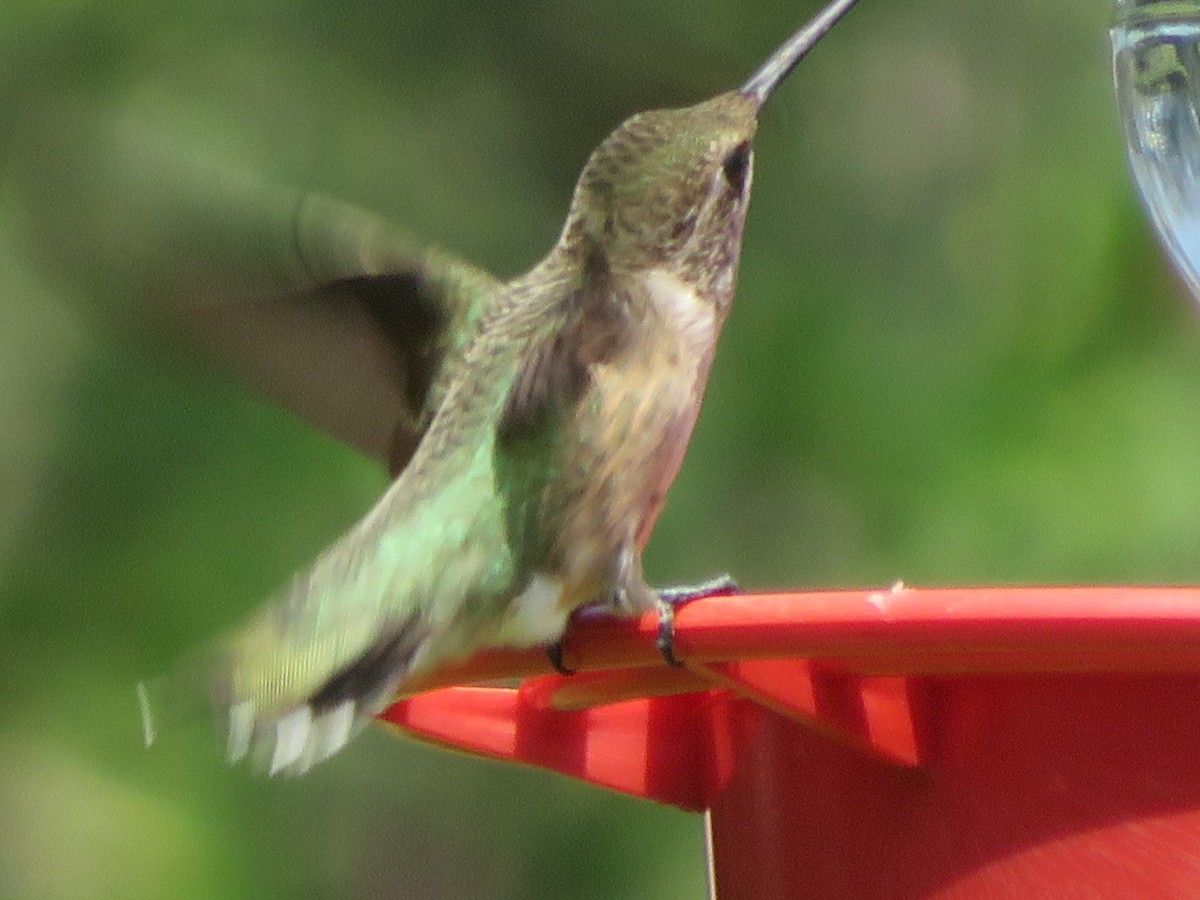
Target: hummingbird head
point(668, 190)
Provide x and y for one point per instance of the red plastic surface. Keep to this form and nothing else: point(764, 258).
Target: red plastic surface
point(1035, 742)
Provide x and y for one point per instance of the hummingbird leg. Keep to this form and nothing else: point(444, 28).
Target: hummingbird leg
point(635, 595)
point(677, 595)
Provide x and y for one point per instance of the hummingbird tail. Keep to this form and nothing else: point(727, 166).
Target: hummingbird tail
point(292, 740)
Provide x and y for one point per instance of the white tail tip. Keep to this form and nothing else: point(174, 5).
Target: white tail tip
point(292, 734)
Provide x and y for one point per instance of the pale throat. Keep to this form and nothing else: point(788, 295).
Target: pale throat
point(691, 316)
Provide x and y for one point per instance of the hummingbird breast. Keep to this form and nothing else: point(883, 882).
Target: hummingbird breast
point(630, 430)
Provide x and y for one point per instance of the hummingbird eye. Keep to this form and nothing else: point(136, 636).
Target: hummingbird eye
point(736, 165)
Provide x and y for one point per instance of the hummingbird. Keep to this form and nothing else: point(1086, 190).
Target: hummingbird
point(534, 429)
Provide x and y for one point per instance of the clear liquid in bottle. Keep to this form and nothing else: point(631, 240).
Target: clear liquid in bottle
point(1156, 68)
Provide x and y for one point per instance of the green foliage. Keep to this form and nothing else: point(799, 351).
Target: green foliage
point(956, 357)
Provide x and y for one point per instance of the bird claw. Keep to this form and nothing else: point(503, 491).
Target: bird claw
point(554, 653)
point(666, 634)
point(677, 595)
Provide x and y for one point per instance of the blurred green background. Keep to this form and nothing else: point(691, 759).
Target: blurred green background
point(956, 357)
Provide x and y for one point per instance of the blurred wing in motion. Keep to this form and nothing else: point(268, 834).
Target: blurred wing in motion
point(321, 306)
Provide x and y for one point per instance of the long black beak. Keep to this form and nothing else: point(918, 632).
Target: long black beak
point(779, 65)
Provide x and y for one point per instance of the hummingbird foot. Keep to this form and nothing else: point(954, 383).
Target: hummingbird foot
point(677, 595)
point(665, 600)
point(554, 653)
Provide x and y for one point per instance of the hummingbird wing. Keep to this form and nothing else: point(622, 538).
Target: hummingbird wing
point(439, 567)
point(323, 307)
point(360, 337)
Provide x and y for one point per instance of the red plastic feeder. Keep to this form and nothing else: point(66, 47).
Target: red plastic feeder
point(1032, 742)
